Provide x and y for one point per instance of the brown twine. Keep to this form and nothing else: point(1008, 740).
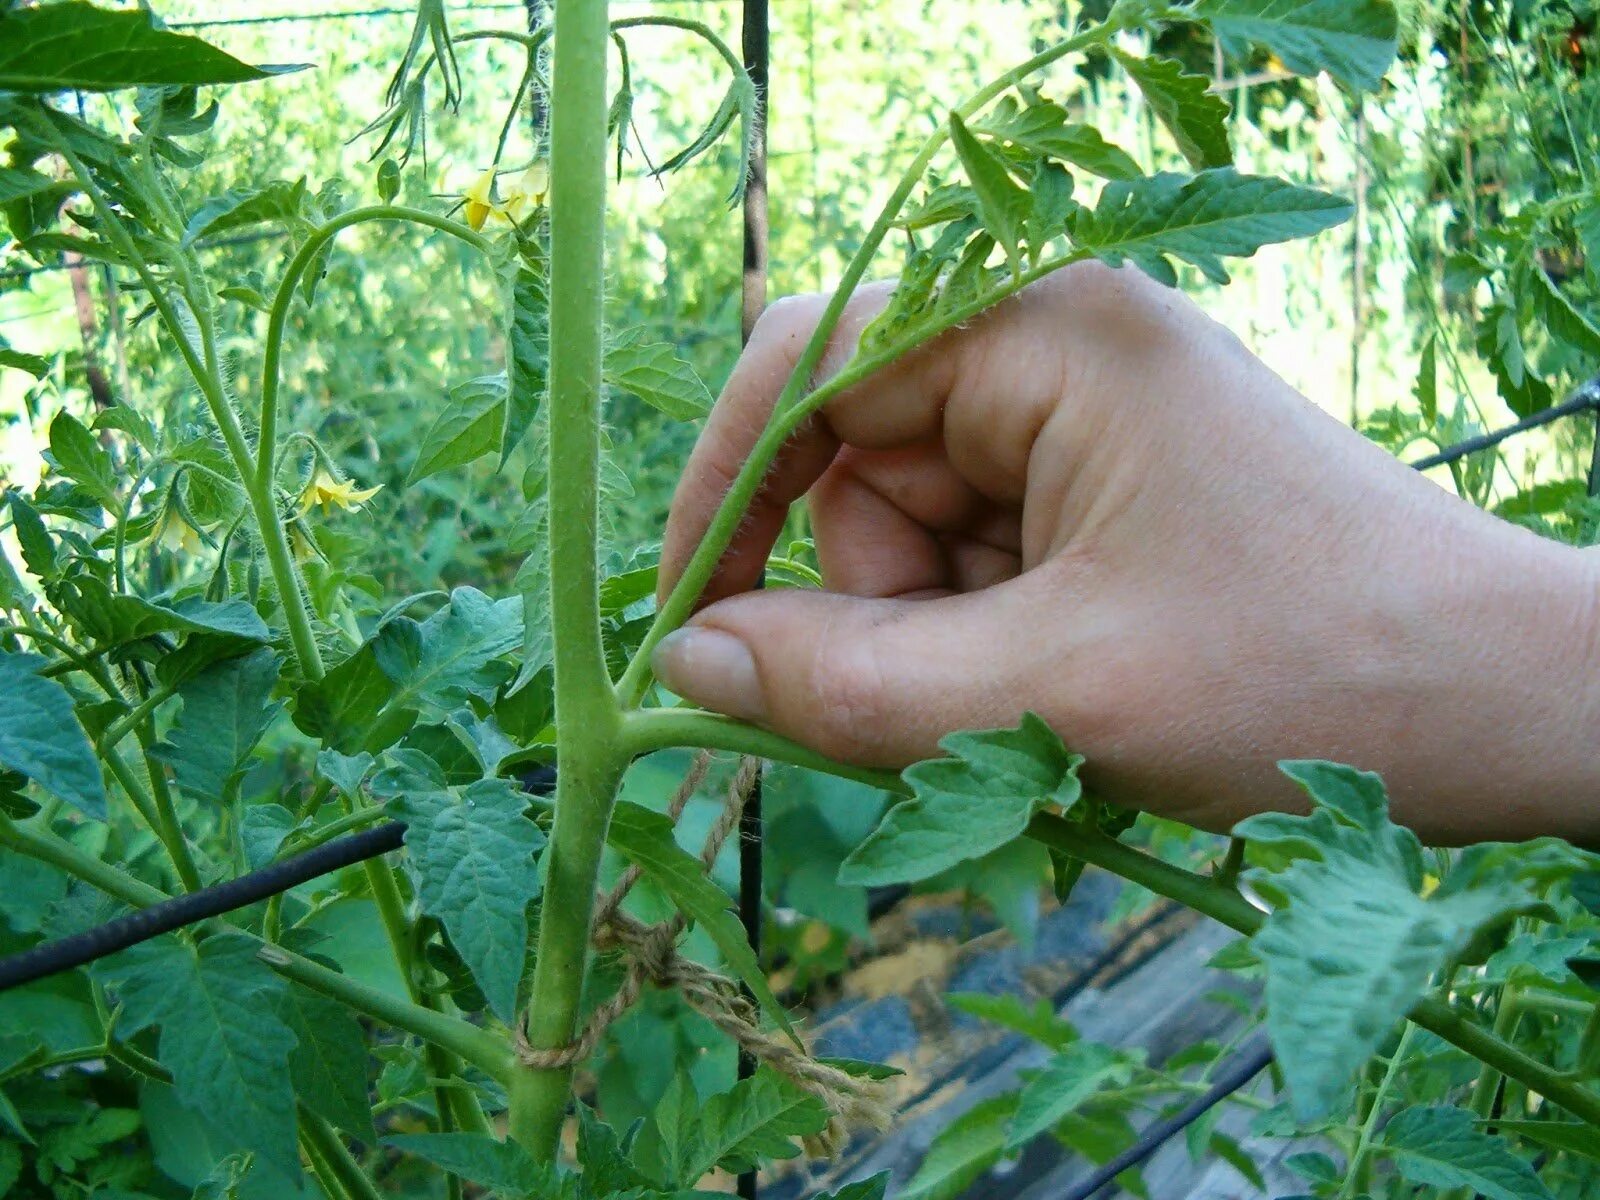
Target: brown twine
point(652, 957)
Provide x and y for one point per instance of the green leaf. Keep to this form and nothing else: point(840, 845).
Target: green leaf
point(329, 1062)
point(1353, 944)
point(36, 365)
point(964, 806)
point(875, 1188)
point(1352, 40)
point(38, 550)
point(1039, 1022)
point(226, 709)
point(502, 1167)
point(1041, 126)
point(963, 1151)
point(40, 736)
point(470, 425)
point(645, 839)
point(82, 459)
point(1065, 1082)
point(1561, 317)
point(1426, 389)
point(110, 619)
point(349, 708)
point(1438, 1147)
point(18, 184)
point(1003, 203)
point(527, 349)
point(653, 372)
point(1572, 1137)
point(1196, 117)
point(472, 855)
point(61, 47)
point(437, 661)
point(754, 1121)
point(239, 208)
point(1200, 219)
point(222, 1035)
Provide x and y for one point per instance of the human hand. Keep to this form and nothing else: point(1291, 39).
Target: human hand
point(1095, 503)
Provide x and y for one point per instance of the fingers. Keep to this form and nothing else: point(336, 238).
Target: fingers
point(870, 681)
point(906, 400)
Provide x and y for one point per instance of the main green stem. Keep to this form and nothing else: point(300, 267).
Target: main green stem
point(588, 726)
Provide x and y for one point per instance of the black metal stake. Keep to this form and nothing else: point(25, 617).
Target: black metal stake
point(755, 36)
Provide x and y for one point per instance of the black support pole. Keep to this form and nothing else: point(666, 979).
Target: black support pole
point(755, 37)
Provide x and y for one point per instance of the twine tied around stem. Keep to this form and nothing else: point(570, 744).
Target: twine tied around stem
point(651, 955)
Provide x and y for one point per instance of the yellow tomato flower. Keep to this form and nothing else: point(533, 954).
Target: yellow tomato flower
point(530, 188)
point(174, 534)
point(301, 545)
point(333, 493)
point(534, 185)
point(480, 200)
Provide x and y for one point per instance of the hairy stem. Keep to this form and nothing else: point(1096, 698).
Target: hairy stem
point(587, 724)
point(788, 417)
point(1233, 910)
point(259, 481)
point(794, 404)
point(664, 728)
point(322, 1138)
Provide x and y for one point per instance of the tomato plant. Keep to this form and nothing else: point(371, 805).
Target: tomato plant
point(520, 925)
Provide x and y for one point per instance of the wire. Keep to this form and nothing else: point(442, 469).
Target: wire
point(363, 13)
point(1585, 398)
point(1240, 1070)
point(51, 958)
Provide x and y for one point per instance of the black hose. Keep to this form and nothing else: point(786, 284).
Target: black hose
point(81, 948)
point(1244, 1067)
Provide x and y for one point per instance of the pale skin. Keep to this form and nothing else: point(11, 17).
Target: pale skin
point(1093, 502)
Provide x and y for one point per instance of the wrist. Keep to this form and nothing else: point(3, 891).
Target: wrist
point(1499, 741)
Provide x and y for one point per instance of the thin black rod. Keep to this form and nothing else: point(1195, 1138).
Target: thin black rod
point(756, 45)
point(214, 901)
point(1243, 1067)
point(1586, 398)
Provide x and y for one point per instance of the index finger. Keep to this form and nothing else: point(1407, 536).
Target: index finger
point(906, 400)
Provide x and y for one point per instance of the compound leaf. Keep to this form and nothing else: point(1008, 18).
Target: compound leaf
point(964, 806)
point(501, 1167)
point(472, 855)
point(1353, 41)
point(40, 736)
point(1075, 1074)
point(755, 1120)
point(1439, 1147)
point(1042, 126)
point(82, 459)
point(328, 1064)
point(653, 372)
point(471, 425)
point(62, 47)
point(222, 1035)
point(1199, 219)
point(963, 1150)
point(437, 660)
point(645, 839)
point(240, 208)
point(1353, 943)
point(226, 709)
point(1003, 204)
point(1196, 117)
point(527, 350)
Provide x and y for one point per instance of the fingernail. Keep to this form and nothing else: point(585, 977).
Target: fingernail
point(712, 668)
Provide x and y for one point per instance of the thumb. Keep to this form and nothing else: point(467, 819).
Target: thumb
point(866, 681)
